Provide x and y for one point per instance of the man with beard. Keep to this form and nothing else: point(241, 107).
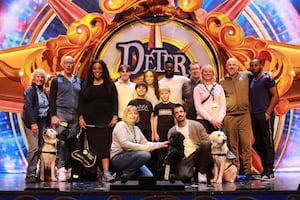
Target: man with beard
point(263, 98)
point(174, 82)
point(197, 147)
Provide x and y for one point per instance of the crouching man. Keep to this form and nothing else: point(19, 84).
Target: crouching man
point(197, 148)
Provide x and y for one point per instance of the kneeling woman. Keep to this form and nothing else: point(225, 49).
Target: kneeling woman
point(130, 150)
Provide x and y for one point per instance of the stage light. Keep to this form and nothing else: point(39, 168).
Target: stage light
point(292, 72)
point(79, 30)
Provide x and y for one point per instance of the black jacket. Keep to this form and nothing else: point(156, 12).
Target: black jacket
point(31, 106)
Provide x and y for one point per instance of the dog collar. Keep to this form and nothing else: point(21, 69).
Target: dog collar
point(50, 152)
point(219, 154)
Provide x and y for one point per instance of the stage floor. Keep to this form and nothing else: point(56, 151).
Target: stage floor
point(285, 186)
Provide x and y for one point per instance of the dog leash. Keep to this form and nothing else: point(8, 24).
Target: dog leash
point(65, 124)
point(96, 126)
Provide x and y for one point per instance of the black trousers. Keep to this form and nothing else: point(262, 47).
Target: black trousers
point(264, 142)
point(199, 161)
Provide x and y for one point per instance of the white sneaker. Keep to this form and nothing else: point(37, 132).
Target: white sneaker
point(62, 174)
point(202, 178)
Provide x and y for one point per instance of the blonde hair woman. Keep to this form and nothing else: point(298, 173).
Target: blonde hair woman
point(209, 100)
point(130, 150)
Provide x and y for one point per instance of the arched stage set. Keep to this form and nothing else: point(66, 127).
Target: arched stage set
point(144, 33)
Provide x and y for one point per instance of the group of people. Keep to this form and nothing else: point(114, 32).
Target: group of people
point(128, 124)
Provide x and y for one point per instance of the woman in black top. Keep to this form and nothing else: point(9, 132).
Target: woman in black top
point(98, 112)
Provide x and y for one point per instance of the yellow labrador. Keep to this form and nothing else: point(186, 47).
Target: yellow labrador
point(224, 169)
point(48, 154)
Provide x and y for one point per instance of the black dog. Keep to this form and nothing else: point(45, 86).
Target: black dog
point(174, 155)
point(83, 161)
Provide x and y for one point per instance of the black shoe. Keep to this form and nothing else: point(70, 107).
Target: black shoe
point(249, 177)
point(31, 179)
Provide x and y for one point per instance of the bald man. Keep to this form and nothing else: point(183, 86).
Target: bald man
point(237, 120)
point(64, 97)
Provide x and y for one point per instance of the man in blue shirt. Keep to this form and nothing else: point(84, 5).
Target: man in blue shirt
point(64, 97)
point(263, 98)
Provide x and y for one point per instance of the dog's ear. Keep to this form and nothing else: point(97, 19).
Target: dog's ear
point(212, 139)
point(44, 133)
point(182, 137)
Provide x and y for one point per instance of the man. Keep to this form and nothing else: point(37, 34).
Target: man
point(64, 97)
point(188, 88)
point(263, 98)
point(197, 147)
point(237, 120)
point(175, 82)
point(125, 88)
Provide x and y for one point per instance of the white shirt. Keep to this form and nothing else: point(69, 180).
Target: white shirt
point(175, 84)
point(126, 91)
point(189, 145)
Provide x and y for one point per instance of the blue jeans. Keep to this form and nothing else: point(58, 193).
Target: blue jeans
point(63, 150)
point(34, 145)
point(132, 162)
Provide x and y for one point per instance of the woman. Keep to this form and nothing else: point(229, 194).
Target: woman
point(98, 113)
point(35, 119)
point(130, 150)
point(152, 95)
point(209, 100)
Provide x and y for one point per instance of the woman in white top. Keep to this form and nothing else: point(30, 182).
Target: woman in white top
point(209, 100)
point(130, 150)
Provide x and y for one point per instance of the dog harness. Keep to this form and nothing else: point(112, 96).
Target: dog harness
point(222, 154)
point(50, 152)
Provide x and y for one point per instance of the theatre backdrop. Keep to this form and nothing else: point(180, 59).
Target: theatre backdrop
point(144, 33)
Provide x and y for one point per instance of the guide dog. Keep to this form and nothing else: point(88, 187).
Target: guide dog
point(224, 169)
point(83, 161)
point(48, 154)
point(175, 153)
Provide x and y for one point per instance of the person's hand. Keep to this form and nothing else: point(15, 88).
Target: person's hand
point(82, 123)
point(216, 124)
point(267, 116)
point(165, 144)
point(34, 129)
point(270, 75)
point(155, 137)
point(113, 121)
point(54, 121)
